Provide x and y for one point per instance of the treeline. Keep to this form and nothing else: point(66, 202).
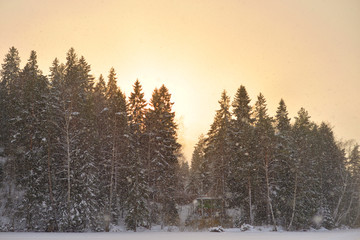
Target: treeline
point(78, 155)
point(275, 172)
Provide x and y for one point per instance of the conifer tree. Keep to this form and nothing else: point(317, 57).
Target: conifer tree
point(200, 170)
point(265, 161)
point(87, 178)
point(163, 150)
point(241, 178)
point(9, 110)
point(55, 152)
point(137, 202)
point(118, 138)
point(303, 168)
point(330, 166)
point(218, 151)
point(284, 170)
point(9, 77)
point(33, 141)
point(102, 149)
point(353, 209)
point(72, 109)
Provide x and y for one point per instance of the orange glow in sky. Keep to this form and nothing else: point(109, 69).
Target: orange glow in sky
point(306, 52)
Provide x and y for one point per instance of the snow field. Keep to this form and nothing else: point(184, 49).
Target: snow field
point(326, 235)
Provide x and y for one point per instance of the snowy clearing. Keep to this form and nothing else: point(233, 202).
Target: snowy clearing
point(328, 235)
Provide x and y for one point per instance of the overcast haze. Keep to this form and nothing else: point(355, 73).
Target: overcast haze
point(306, 52)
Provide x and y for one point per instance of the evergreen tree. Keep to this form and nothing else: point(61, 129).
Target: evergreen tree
point(102, 148)
point(241, 177)
point(33, 141)
point(74, 155)
point(282, 120)
point(330, 166)
point(183, 180)
point(9, 77)
point(265, 163)
point(117, 167)
point(304, 205)
point(218, 151)
point(138, 197)
point(200, 170)
point(353, 210)
point(86, 181)
point(8, 112)
point(284, 169)
point(163, 150)
point(55, 146)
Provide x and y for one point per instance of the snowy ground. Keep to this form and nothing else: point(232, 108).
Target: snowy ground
point(227, 235)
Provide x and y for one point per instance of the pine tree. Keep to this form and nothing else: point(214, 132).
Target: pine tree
point(183, 180)
point(87, 178)
point(304, 205)
point(200, 170)
point(55, 146)
point(266, 163)
point(330, 166)
point(73, 155)
point(241, 176)
point(118, 138)
point(10, 111)
point(32, 125)
point(137, 202)
point(102, 149)
point(283, 155)
point(163, 150)
point(218, 152)
point(353, 210)
point(9, 77)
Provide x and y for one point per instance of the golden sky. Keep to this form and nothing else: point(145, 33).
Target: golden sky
point(305, 51)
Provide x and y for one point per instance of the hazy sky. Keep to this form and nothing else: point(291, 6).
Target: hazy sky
point(306, 52)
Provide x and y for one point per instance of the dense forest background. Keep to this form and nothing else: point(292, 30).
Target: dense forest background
point(78, 155)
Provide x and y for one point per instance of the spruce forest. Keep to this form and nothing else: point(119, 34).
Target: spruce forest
point(77, 155)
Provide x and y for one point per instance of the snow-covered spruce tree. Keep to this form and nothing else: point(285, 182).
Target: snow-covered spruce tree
point(56, 166)
point(200, 170)
point(241, 177)
point(9, 77)
point(162, 158)
point(183, 179)
point(9, 87)
point(352, 212)
point(31, 126)
point(284, 172)
point(26, 145)
point(137, 202)
point(304, 195)
point(266, 164)
point(118, 138)
point(330, 166)
point(102, 150)
point(73, 153)
point(86, 181)
point(218, 152)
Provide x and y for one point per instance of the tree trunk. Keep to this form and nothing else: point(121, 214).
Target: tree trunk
point(336, 211)
point(68, 152)
point(268, 192)
point(53, 226)
point(294, 202)
point(250, 203)
point(149, 182)
point(111, 191)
